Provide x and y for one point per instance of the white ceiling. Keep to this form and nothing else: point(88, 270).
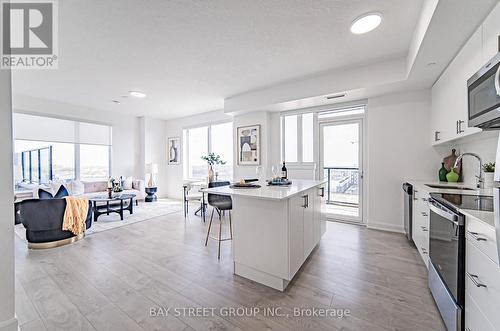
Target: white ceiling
point(189, 55)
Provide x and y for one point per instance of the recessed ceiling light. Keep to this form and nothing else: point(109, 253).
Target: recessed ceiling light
point(430, 64)
point(366, 23)
point(137, 94)
point(115, 102)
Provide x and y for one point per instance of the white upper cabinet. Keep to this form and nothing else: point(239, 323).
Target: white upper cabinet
point(449, 113)
point(491, 33)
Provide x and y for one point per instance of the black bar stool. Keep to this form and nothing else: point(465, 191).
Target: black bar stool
point(220, 203)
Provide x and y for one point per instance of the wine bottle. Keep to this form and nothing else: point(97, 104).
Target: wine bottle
point(284, 173)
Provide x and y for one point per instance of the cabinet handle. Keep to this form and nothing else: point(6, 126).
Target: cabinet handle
point(424, 229)
point(497, 81)
point(425, 200)
point(322, 194)
point(424, 214)
point(474, 279)
point(436, 135)
point(424, 251)
point(306, 201)
point(460, 126)
point(456, 126)
point(476, 236)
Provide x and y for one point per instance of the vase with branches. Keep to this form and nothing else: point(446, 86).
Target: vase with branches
point(212, 159)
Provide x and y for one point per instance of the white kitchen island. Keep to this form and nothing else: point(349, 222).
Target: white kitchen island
point(275, 229)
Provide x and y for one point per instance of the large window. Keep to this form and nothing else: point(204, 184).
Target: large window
point(34, 164)
point(57, 161)
point(298, 138)
point(57, 149)
point(290, 141)
point(198, 142)
point(94, 162)
point(197, 146)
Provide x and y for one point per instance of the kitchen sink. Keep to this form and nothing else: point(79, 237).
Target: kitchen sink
point(450, 187)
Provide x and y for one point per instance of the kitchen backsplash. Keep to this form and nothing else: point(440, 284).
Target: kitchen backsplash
point(483, 144)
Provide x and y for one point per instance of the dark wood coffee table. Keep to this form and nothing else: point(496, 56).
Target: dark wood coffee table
point(116, 204)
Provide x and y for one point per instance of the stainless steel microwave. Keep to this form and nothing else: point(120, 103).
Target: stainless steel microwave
point(484, 96)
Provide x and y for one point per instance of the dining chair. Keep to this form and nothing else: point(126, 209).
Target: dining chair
point(190, 196)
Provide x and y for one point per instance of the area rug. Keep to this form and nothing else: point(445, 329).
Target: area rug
point(143, 212)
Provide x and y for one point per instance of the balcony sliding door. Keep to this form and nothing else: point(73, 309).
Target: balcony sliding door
point(341, 153)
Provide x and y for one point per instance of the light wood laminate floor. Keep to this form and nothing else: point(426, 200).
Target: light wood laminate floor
point(111, 280)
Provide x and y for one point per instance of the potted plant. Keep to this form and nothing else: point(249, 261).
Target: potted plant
point(212, 159)
point(489, 174)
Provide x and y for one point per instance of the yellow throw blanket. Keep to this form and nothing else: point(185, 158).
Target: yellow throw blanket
point(75, 214)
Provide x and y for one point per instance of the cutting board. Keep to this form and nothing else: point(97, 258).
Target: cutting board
point(450, 160)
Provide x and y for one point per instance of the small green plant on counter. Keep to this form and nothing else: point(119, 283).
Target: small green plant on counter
point(489, 167)
point(212, 159)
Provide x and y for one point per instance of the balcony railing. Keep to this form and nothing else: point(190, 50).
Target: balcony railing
point(342, 185)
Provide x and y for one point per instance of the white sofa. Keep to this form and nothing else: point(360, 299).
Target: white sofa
point(93, 189)
point(90, 190)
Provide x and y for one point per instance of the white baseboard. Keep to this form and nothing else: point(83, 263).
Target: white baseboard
point(9, 325)
point(385, 227)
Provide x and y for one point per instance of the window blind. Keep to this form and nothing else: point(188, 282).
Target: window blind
point(41, 128)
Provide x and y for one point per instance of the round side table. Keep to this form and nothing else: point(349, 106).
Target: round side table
point(151, 196)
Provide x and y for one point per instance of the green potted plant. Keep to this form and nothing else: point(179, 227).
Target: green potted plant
point(489, 174)
point(212, 159)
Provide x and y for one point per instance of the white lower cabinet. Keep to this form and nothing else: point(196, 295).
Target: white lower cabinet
point(420, 224)
point(305, 221)
point(482, 285)
point(474, 317)
point(296, 233)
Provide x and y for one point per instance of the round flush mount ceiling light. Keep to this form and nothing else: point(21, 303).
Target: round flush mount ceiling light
point(366, 23)
point(137, 94)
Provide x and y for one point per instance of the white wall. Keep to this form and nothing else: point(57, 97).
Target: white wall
point(173, 128)
point(155, 151)
point(398, 149)
point(269, 142)
point(126, 143)
point(8, 320)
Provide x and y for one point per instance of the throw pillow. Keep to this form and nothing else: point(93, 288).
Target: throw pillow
point(61, 193)
point(127, 183)
point(44, 195)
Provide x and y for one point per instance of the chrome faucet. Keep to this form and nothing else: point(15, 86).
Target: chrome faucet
point(480, 178)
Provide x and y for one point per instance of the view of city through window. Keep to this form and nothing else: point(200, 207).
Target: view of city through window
point(93, 162)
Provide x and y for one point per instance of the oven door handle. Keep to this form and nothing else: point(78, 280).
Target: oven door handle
point(443, 213)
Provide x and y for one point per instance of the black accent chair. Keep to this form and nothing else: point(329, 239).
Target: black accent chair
point(220, 203)
point(43, 221)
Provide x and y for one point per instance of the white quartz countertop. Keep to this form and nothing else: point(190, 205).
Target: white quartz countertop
point(268, 192)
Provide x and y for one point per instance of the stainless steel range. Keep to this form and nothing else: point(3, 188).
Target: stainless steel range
point(447, 253)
